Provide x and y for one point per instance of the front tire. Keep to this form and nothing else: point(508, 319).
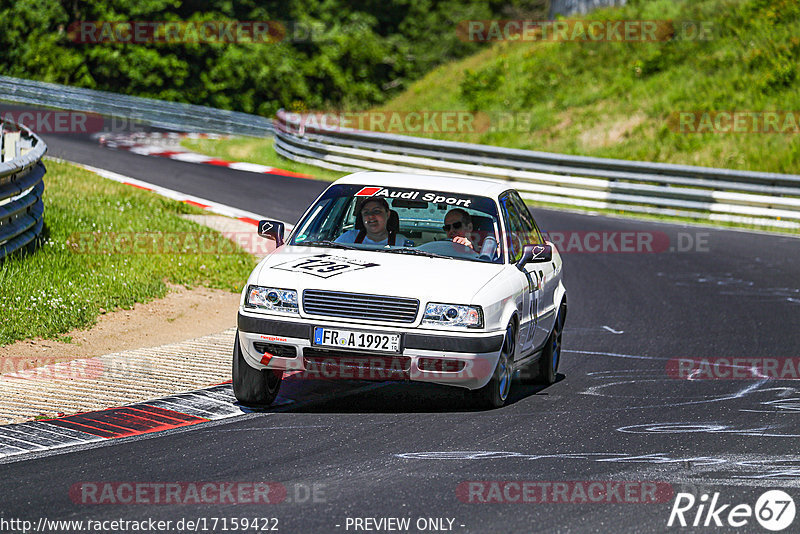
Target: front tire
point(253, 387)
point(495, 392)
point(551, 354)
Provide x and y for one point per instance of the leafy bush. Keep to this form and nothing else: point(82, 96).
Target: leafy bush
point(336, 53)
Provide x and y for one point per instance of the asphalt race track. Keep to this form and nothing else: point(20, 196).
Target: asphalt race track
point(619, 412)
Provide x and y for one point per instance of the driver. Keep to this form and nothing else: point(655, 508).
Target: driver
point(458, 225)
point(376, 228)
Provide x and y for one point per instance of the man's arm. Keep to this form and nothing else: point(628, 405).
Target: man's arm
point(463, 241)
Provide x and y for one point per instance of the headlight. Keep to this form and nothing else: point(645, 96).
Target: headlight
point(270, 298)
point(453, 315)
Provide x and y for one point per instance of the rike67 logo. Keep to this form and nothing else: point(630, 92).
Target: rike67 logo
point(774, 510)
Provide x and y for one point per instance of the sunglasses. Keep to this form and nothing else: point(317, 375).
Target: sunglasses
point(456, 226)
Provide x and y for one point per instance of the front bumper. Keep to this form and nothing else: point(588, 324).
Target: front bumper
point(286, 344)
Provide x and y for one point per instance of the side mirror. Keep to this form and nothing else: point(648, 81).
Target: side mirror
point(271, 230)
point(535, 254)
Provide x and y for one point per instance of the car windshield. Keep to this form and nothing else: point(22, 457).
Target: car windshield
point(396, 220)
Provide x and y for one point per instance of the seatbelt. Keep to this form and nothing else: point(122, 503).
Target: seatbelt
point(363, 233)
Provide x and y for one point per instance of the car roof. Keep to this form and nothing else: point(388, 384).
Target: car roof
point(469, 186)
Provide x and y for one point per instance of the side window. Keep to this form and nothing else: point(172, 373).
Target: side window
point(515, 230)
point(533, 233)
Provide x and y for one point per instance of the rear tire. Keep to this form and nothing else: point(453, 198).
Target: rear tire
point(253, 387)
point(495, 392)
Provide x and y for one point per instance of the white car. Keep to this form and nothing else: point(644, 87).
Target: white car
point(462, 304)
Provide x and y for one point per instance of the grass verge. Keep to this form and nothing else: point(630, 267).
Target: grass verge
point(108, 246)
point(255, 150)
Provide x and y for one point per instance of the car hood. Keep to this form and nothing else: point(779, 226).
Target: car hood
point(427, 279)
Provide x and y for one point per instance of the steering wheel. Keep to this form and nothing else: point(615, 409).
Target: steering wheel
point(448, 248)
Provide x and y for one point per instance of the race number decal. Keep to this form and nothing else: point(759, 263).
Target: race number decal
point(324, 265)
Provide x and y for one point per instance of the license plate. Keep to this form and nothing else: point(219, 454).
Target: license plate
point(353, 339)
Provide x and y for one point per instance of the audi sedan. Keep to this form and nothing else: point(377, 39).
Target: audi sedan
point(391, 276)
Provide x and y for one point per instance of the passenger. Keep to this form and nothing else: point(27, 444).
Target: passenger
point(458, 225)
point(376, 224)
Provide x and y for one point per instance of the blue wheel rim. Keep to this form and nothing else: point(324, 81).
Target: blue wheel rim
point(505, 374)
point(504, 381)
point(556, 351)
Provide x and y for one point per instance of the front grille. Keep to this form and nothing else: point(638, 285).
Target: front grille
point(354, 365)
point(282, 351)
point(359, 306)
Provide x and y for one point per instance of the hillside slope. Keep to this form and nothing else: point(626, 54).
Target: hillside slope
point(624, 99)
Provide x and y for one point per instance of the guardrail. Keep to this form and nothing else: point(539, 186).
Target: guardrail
point(21, 187)
point(158, 113)
point(571, 7)
point(757, 198)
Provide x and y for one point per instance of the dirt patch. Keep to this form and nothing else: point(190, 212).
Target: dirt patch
point(610, 133)
point(182, 314)
point(244, 152)
point(566, 122)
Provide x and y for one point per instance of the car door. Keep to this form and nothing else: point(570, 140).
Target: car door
point(528, 279)
point(545, 272)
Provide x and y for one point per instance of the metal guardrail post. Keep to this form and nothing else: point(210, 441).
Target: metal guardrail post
point(21, 187)
point(10, 146)
point(572, 7)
